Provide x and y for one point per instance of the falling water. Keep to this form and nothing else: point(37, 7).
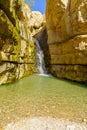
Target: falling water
point(40, 58)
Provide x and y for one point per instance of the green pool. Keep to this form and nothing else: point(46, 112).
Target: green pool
point(41, 96)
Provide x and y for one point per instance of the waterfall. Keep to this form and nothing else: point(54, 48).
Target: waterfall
point(40, 58)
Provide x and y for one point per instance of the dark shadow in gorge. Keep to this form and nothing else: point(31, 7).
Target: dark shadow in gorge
point(42, 37)
point(79, 84)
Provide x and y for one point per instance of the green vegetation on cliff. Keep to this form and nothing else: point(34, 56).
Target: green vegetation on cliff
point(16, 46)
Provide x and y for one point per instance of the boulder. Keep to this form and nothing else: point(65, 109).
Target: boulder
point(37, 21)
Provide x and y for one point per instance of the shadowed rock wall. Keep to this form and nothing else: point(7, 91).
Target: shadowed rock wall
point(41, 36)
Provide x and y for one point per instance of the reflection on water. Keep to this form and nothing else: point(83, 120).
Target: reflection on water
point(41, 96)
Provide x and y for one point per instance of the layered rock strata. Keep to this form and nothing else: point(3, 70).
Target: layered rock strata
point(16, 44)
point(67, 38)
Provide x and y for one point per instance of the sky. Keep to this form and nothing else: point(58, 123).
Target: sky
point(39, 5)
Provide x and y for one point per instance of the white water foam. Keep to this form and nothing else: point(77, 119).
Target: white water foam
point(40, 58)
point(47, 75)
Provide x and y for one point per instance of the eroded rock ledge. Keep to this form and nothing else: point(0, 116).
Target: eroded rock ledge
point(67, 38)
point(16, 45)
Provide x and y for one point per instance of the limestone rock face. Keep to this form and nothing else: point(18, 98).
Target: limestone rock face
point(16, 44)
point(37, 21)
point(67, 38)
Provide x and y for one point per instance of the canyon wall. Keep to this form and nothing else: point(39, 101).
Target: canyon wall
point(16, 45)
point(67, 38)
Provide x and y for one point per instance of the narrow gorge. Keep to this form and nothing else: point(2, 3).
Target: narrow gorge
point(63, 38)
point(43, 65)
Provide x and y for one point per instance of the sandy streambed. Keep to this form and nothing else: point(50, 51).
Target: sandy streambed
point(45, 123)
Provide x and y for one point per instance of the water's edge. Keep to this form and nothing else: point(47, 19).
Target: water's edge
point(43, 99)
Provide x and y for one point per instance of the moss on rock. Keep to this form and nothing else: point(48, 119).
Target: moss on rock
point(16, 44)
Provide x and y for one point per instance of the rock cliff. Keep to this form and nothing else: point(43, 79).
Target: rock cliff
point(67, 38)
point(16, 45)
point(36, 23)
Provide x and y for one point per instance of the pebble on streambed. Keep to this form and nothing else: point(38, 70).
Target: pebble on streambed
point(1, 128)
point(44, 123)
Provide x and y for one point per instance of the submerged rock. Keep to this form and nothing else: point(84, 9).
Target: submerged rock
point(44, 123)
point(67, 38)
point(1, 128)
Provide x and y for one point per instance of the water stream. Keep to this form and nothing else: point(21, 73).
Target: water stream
point(40, 59)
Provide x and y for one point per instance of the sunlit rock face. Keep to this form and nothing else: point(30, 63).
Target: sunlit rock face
point(37, 21)
point(16, 44)
point(67, 38)
point(34, 19)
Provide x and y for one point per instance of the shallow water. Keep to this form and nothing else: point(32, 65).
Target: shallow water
point(42, 96)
